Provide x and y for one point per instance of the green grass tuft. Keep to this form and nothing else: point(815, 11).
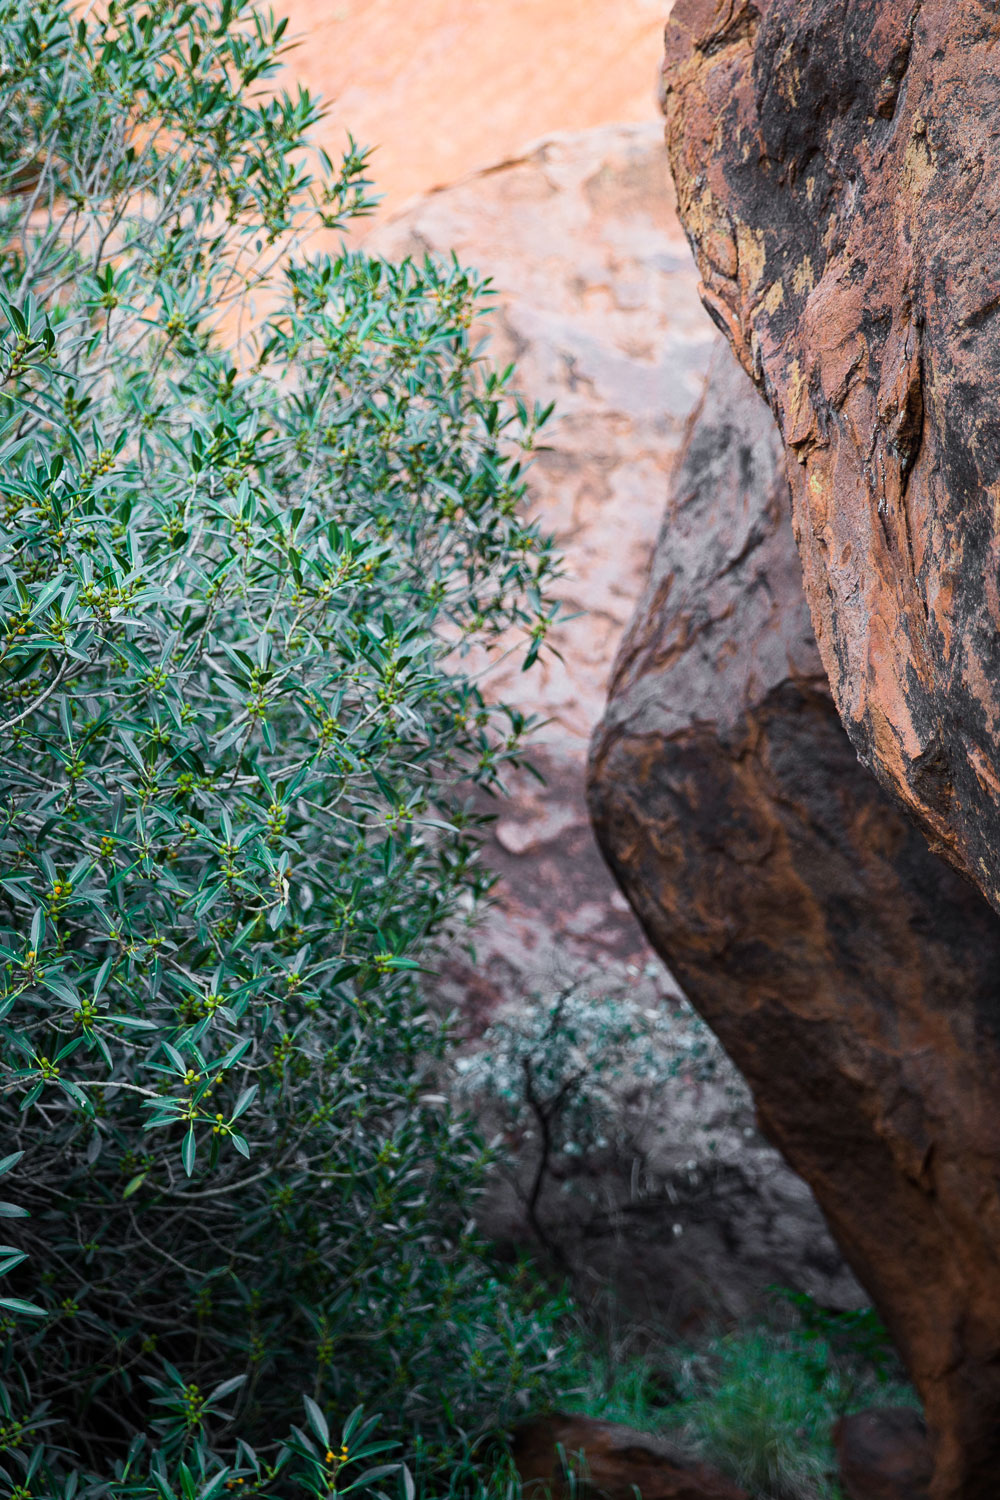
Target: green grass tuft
point(758, 1403)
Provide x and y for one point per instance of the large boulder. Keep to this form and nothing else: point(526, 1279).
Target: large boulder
point(852, 975)
point(838, 172)
point(883, 1454)
point(563, 1456)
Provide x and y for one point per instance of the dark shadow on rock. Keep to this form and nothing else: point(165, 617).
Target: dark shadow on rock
point(883, 1454)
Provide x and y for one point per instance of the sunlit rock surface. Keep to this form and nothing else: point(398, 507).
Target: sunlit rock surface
point(838, 166)
point(443, 87)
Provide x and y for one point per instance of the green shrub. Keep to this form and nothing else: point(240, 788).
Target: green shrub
point(245, 557)
point(855, 1342)
point(763, 1417)
point(619, 1385)
point(570, 1080)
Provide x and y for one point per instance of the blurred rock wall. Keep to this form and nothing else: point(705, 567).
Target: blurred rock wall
point(598, 306)
point(442, 87)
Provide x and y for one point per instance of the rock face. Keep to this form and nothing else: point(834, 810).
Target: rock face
point(443, 87)
point(618, 1463)
point(597, 301)
point(853, 976)
point(883, 1454)
point(838, 172)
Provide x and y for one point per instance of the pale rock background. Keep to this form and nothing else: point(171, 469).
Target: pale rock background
point(598, 306)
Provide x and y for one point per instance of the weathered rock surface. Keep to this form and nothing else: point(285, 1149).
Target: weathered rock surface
point(853, 976)
point(690, 1224)
point(883, 1454)
point(838, 171)
point(598, 303)
point(618, 1463)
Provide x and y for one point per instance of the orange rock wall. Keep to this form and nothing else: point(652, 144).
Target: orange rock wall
point(442, 87)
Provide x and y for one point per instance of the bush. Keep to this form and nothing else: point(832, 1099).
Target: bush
point(763, 1402)
point(244, 559)
point(571, 1080)
point(763, 1416)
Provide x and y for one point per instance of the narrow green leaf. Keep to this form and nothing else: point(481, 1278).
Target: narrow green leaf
point(135, 1184)
point(18, 1305)
point(317, 1421)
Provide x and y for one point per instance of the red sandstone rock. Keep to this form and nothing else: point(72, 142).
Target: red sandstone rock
point(838, 172)
point(853, 976)
point(883, 1454)
point(618, 1462)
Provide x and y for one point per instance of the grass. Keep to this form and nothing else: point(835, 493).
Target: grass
point(758, 1403)
point(764, 1413)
